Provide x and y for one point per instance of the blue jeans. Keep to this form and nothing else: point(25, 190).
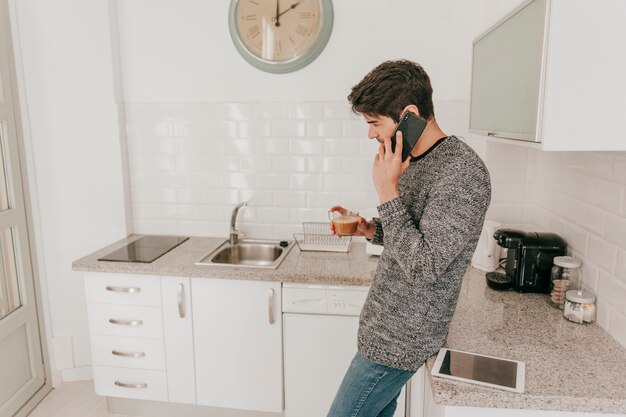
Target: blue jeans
point(368, 390)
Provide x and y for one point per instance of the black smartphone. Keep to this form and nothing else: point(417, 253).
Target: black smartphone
point(411, 127)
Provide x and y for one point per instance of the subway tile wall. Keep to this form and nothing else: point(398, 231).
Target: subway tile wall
point(582, 197)
point(189, 164)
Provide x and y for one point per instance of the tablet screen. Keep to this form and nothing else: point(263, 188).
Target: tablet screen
point(479, 368)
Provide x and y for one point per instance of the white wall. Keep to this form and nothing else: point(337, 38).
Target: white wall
point(73, 157)
point(181, 51)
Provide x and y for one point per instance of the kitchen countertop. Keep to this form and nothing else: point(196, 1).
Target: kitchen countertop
point(569, 367)
point(331, 268)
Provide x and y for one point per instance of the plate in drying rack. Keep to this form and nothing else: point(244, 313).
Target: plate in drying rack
point(317, 237)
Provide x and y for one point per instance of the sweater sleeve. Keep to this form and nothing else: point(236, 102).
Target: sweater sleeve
point(377, 239)
point(453, 215)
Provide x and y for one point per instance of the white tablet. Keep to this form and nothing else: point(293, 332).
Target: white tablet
point(484, 370)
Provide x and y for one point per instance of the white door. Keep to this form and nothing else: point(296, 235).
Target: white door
point(237, 330)
point(21, 364)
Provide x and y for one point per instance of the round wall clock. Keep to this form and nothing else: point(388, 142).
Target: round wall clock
point(280, 35)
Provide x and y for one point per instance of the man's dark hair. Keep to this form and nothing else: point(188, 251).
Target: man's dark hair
point(392, 86)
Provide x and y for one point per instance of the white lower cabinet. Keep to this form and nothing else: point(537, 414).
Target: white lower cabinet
point(415, 406)
point(178, 338)
point(210, 342)
point(126, 329)
point(237, 330)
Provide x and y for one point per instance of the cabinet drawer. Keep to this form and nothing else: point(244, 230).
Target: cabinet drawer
point(130, 383)
point(128, 352)
point(143, 290)
point(121, 320)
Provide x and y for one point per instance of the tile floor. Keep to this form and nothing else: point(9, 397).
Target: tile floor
point(73, 399)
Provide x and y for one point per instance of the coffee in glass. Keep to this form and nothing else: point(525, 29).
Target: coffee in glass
point(345, 224)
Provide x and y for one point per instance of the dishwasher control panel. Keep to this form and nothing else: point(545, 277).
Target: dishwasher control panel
point(323, 299)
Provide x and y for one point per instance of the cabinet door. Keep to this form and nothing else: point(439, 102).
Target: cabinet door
point(238, 344)
point(416, 403)
point(506, 76)
point(178, 335)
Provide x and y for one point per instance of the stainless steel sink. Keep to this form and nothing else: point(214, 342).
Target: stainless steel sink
point(249, 253)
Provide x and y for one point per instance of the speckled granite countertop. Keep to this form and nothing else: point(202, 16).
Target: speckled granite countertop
point(569, 367)
point(352, 268)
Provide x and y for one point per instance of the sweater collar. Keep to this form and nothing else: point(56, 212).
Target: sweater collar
point(429, 150)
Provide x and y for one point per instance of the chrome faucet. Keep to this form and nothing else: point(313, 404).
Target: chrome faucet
point(234, 233)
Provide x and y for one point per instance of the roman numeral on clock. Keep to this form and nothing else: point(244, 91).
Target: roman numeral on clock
point(254, 31)
point(301, 30)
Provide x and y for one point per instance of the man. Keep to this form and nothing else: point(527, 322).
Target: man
point(432, 208)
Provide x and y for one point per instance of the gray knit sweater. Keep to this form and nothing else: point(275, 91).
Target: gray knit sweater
point(429, 234)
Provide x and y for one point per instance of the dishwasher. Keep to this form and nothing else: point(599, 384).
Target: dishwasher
point(320, 324)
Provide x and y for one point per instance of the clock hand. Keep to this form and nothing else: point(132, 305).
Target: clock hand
point(293, 6)
point(277, 14)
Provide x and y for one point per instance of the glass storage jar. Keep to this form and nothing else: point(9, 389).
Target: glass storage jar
point(565, 275)
point(580, 306)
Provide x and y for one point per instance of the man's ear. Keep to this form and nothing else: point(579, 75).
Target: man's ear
point(412, 108)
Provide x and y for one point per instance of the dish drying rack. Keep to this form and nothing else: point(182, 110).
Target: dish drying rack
point(317, 237)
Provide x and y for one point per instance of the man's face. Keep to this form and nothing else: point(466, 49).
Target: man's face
point(380, 127)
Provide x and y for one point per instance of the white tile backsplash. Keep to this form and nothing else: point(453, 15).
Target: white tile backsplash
point(305, 111)
point(189, 164)
point(620, 268)
point(619, 169)
point(602, 253)
point(598, 164)
point(580, 195)
point(608, 196)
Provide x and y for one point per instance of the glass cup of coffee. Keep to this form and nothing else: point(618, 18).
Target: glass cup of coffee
point(345, 223)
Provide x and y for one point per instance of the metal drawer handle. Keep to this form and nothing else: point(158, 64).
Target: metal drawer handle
point(271, 306)
point(129, 354)
point(127, 385)
point(126, 322)
point(181, 301)
point(123, 289)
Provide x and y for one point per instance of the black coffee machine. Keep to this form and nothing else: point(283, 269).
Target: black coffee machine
point(529, 259)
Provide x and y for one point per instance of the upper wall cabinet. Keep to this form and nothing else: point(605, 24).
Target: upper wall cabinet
point(552, 72)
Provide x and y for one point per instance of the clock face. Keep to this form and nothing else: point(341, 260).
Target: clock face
point(280, 35)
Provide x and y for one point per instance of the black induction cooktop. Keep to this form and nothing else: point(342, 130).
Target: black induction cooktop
point(146, 249)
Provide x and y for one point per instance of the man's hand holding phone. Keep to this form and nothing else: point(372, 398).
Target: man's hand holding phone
point(388, 166)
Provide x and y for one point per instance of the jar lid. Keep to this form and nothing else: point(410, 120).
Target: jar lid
point(567, 262)
point(580, 296)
